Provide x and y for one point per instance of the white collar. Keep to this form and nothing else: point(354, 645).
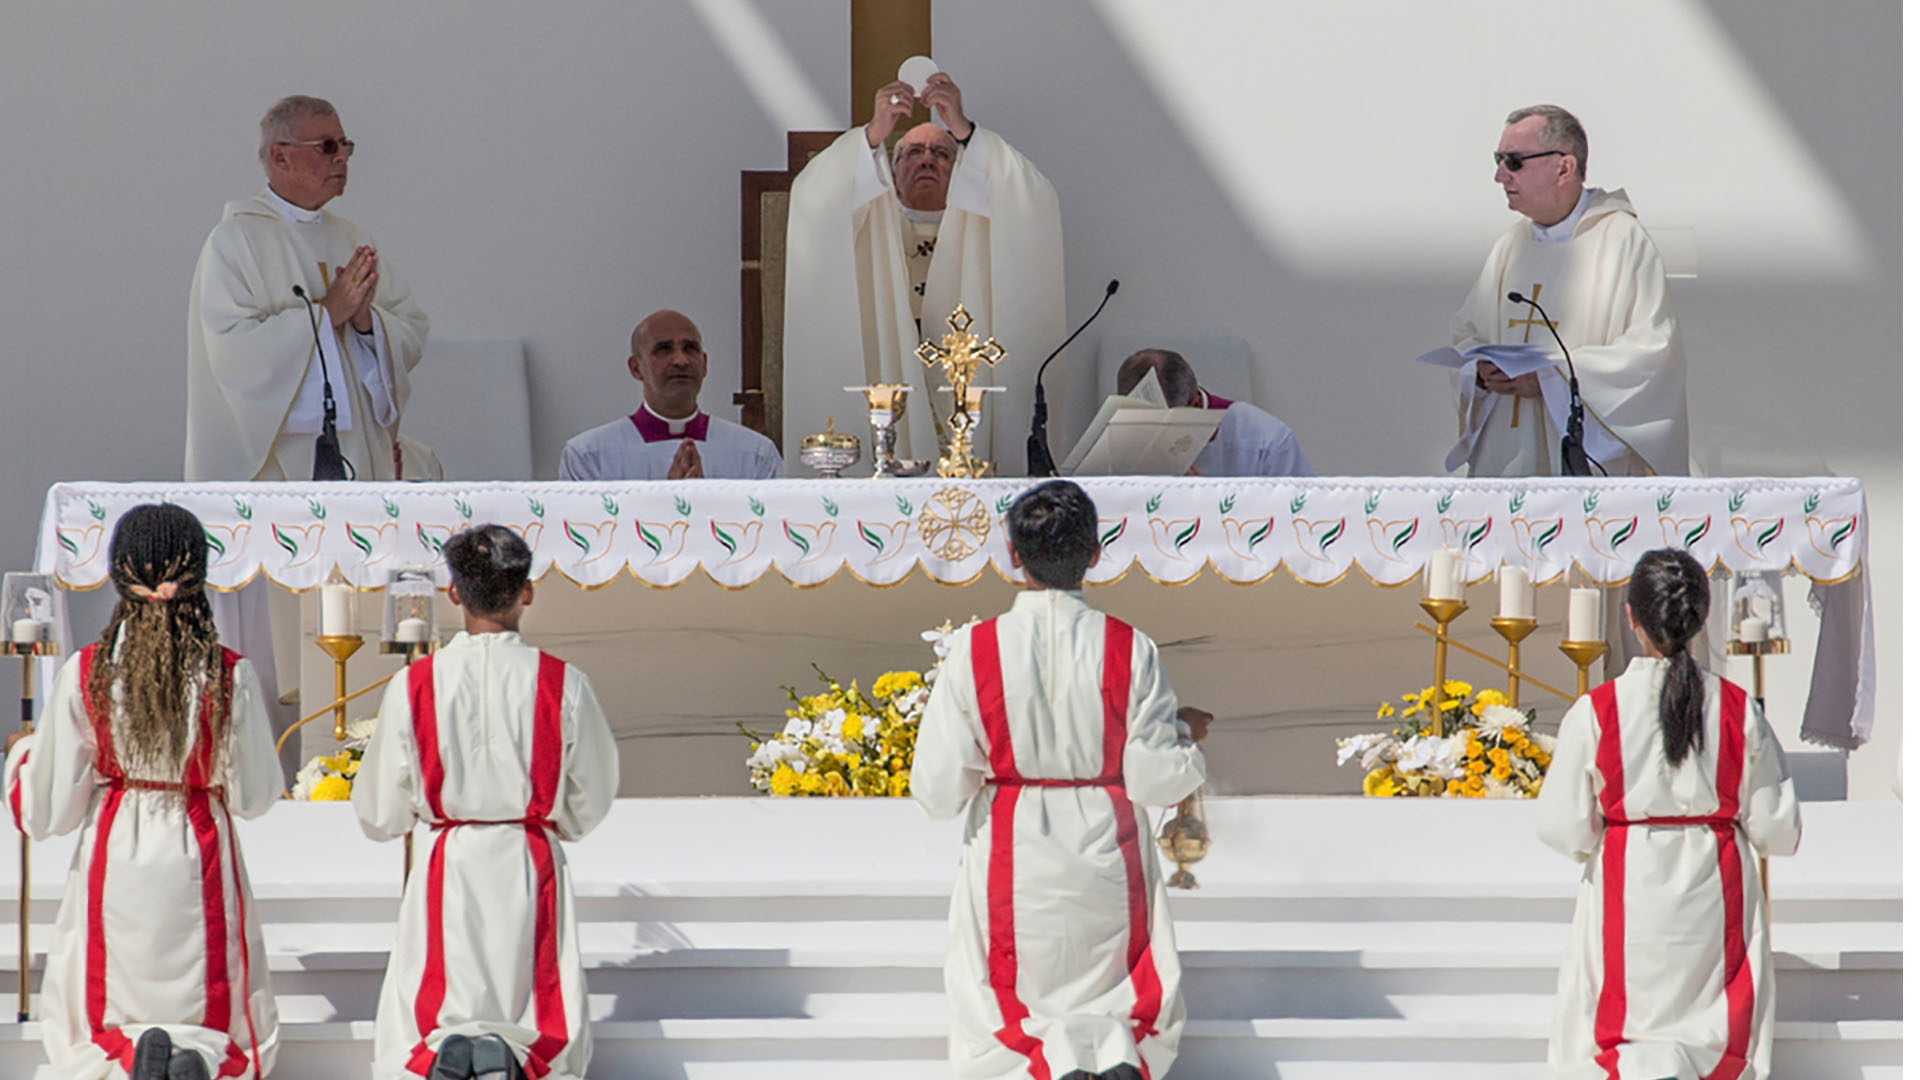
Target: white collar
point(919, 217)
point(296, 215)
point(674, 427)
point(1562, 231)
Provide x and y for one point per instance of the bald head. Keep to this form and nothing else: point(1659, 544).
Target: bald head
point(670, 362)
point(1178, 383)
point(922, 165)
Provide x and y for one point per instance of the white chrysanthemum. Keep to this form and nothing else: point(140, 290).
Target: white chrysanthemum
point(1497, 718)
point(1503, 789)
point(362, 729)
point(1544, 742)
point(1360, 745)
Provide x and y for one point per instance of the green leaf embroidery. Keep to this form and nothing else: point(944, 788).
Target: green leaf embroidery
point(1226, 504)
point(1153, 504)
point(1004, 504)
point(611, 507)
point(318, 511)
point(683, 506)
point(538, 508)
point(392, 508)
point(464, 510)
point(1445, 504)
point(1812, 503)
point(832, 508)
point(1514, 504)
point(1738, 500)
point(242, 510)
point(905, 507)
point(1665, 500)
point(759, 508)
point(1591, 502)
point(99, 512)
point(1299, 502)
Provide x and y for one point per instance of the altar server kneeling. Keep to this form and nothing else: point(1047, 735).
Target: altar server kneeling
point(1053, 728)
point(500, 750)
point(150, 742)
point(1669, 785)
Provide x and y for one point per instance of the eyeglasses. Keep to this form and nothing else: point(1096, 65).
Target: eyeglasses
point(328, 146)
point(1508, 158)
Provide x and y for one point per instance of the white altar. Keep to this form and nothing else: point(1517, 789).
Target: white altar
point(698, 601)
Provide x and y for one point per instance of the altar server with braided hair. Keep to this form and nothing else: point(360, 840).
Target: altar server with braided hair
point(1053, 729)
point(151, 741)
point(1669, 786)
point(500, 750)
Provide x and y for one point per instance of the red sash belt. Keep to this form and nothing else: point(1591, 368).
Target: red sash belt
point(526, 822)
point(1712, 821)
point(123, 783)
point(1029, 781)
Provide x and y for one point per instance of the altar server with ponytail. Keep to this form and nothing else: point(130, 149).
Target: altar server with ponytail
point(151, 741)
point(501, 751)
point(1670, 787)
point(1054, 730)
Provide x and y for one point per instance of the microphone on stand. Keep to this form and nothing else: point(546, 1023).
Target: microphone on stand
point(1573, 444)
point(328, 463)
point(1039, 457)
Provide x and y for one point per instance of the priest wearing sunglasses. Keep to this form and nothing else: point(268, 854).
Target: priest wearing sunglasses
point(260, 356)
point(1583, 256)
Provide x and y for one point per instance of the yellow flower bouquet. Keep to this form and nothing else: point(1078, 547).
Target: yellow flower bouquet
point(1481, 748)
point(845, 741)
point(329, 777)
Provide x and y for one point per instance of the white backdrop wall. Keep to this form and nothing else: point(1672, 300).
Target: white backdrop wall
point(1315, 181)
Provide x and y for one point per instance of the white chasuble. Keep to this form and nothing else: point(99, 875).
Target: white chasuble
point(1052, 729)
point(850, 300)
point(1606, 290)
point(643, 446)
point(1249, 442)
point(252, 369)
point(1669, 967)
point(158, 926)
point(500, 751)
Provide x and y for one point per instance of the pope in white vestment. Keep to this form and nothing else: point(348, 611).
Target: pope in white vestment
point(158, 926)
point(1669, 969)
point(879, 253)
point(1583, 255)
point(500, 751)
point(1249, 442)
point(1053, 729)
point(254, 379)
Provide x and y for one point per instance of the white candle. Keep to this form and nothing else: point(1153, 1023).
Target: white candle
point(1754, 628)
point(410, 631)
point(336, 609)
point(1443, 574)
point(1583, 615)
point(1516, 593)
point(28, 631)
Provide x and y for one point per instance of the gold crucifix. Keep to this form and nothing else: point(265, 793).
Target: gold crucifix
point(960, 354)
point(1529, 322)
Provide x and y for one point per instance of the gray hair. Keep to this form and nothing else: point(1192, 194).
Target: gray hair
point(1177, 380)
point(1563, 132)
point(277, 125)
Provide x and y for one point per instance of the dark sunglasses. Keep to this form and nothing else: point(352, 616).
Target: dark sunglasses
point(328, 146)
point(1513, 160)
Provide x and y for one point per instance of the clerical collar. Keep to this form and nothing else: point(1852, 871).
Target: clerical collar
point(656, 428)
point(1562, 231)
point(297, 215)
point(1211, 400)
point(920, 217)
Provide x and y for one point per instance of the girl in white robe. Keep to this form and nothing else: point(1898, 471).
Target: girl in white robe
point(1669, 786)
point(1054, 729)
point(156, 952)
point(501, 750)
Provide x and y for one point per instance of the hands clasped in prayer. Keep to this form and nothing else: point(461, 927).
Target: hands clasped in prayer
point(349, 298)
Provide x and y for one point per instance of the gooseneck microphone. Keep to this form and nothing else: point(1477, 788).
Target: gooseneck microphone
point(328, 462)
point(1574, 460)
point(1039, 457)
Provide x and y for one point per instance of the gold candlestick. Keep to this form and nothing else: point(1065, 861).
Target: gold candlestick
point(26, 651)
point(1515, 629)
point(1441, 611)
point(340, 646)
point(1759, 650)
point(1583, 654)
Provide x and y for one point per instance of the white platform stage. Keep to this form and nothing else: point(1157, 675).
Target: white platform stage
point(1331, 939)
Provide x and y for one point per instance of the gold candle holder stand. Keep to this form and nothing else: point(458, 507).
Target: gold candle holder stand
point(1442, 612)
point(339, 647)
point(412, 650)
point(1185, 841)
point(1583, 654)
point(1515, 629)
point(1759, 650)
point(27, 652)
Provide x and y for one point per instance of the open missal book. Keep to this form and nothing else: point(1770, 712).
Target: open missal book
point(1138, 435)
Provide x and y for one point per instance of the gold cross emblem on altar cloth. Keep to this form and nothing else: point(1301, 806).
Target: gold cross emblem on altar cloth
point(1530, 321)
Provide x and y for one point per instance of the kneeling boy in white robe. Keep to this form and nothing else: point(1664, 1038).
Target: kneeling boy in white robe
point(1053, 728)
point(500, 749)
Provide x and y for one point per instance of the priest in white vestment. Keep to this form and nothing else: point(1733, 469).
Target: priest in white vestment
point(1053, 729)
point(254, 376)
point(880, 252)
point(1582, 254)
point(499, 750)
point(1249, 441)
point(668, 437)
